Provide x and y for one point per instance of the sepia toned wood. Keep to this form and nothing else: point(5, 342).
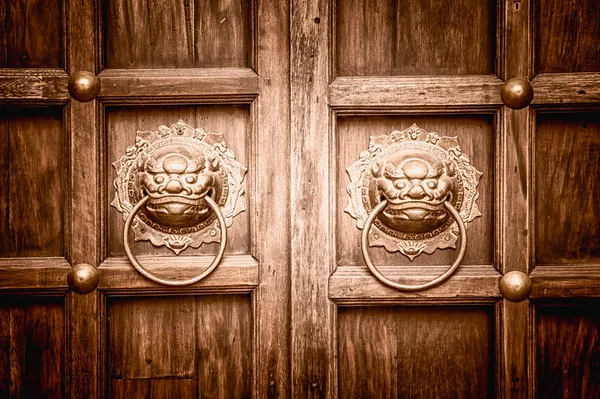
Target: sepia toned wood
point(582, 88)
point(163, 388)
point(32, 192)
point(272, 299)
point(224, 346)
point(44, 86)
point(131, 389)
point(567, 35)
point(514, 194)
point(310, 253)
point(568, 351)
point(477, 141)
point(568, 281)
point(49, 274)
point(184, 34)
point(364, 93)
point(356, 285)
point(179, 85)
point(32, 347)
point(222, 34)
point(567, 182)
point(150, 337)
point(424, 352)
point(31, 34)
point(237, 273)
point(424, 37)
point(231, 120)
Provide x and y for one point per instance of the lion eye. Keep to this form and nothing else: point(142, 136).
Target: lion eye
point(159, 179)
point(190, 179)
point(400, 184)
point(432, 184)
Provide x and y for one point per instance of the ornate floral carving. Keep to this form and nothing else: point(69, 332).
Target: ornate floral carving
point(416, 172)
point(177, 167)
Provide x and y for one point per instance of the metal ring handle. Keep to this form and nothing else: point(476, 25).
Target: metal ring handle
point(213, 205)
point(405, 287)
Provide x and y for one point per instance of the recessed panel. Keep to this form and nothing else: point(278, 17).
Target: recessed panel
point(476, 139)
point(32, 182)
point(568, 36)
point(416, 352)
point(568, 351)
point(30, 33)
point(186, 346)
point(567, 188)
point(177, 34)
point(32, 348)
point(419, 37)
point(231, 120)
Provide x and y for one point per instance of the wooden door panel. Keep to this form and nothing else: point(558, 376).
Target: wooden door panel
point(416, 352)
point(477, 139)
point(389, 37)
point(567, 36)
point(32, 182)
point(567, 185)
point(181, 34)
point(31, 34)
point(32, 347)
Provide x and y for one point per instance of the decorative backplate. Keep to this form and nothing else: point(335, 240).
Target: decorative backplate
point(176, 167)
point(416, 172)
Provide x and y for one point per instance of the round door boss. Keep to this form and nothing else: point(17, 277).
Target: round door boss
point(413, 191)
point(179, 187)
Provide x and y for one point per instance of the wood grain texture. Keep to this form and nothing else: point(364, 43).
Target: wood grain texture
point(150, 338)
point(272, 297)
point(311, 243)
point(231, 120)
point(389, 352)
point(178, 85)
point(30, 33)
point(224, 346)
point(567, 183)
point(43, 86)
point(182, 34)
point(47, 274)
point(567, 281)
point(163, 388)
point(356, 285)
point(566, 88)
point(476, 138)
point(32, 345)
point(568, 351)
point(391, 37)
point(32, 192)
point(364, 93)
point(567, 36)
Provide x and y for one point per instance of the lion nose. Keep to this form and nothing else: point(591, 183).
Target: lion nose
point(416, 192)
point(174, 187)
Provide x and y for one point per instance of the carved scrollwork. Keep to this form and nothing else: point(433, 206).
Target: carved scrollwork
point(416, 172)
point(176, 168)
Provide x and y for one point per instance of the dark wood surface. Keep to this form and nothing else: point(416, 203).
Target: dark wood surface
point(181, 34)
point(567, 180)
point(567, 36)
point(32, 182)
point(391, 37)
point(412, 352)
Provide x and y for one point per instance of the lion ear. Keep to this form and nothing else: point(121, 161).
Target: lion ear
point(377, 167)
point(212, 162)
point(450, 169)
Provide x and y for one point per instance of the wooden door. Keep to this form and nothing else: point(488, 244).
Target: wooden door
point(297, 90)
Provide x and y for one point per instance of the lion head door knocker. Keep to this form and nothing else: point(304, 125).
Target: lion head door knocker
point(179, 187)
point(413, 191)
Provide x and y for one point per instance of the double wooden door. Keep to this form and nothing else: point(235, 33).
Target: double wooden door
point(297, 89)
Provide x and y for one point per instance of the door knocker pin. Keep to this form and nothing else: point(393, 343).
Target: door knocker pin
point(413, 191)
point(179, 187)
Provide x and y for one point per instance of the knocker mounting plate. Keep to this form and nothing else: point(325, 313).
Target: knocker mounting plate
point(416, 172)
point(176, 168)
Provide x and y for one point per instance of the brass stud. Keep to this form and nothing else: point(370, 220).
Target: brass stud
point(83, 278)
point(84, 86)
point(515, 286)
point(517, 93)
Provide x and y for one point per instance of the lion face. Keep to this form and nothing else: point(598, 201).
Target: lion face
point(177, 185)
point(416, 189)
